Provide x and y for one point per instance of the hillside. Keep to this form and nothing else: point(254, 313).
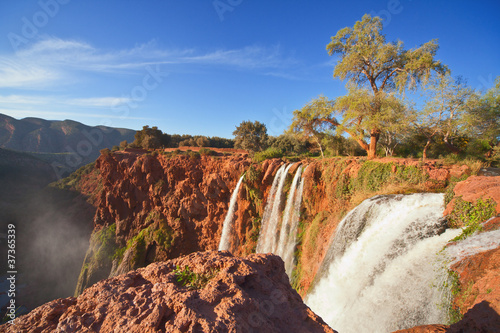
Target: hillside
point(80, 142)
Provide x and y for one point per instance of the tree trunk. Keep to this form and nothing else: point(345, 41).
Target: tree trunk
point(320, 148)
point(372, 149)
point(424, 153)
point(454, 149)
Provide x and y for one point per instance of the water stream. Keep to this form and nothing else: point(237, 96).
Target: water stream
point(225, 240)
point(382, 264)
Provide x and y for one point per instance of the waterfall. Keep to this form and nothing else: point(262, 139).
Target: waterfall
point(271, 217)
point(290, 223)
point(381, 264)
point(225, 238)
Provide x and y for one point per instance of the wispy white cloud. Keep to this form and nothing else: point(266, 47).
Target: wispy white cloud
point(23, 113)
point(15, 101)
point(99, 102)
point(53, 61)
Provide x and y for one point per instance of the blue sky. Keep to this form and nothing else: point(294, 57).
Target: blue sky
point(202, 67)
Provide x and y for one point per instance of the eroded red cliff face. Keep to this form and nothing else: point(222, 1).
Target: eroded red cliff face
point(249, 294)
point(177, 202)
point(190, 194)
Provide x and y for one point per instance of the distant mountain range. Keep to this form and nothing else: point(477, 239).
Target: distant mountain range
point(74, 143)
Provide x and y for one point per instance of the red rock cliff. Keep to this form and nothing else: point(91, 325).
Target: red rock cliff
point(154, 207)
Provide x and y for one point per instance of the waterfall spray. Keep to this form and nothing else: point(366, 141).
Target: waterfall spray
point(377, 274)
point(225, 239)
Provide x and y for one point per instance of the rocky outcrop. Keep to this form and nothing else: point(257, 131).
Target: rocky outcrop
point(249, 294)
point(475, 187)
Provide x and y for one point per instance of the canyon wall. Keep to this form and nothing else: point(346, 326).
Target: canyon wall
point(160, 205)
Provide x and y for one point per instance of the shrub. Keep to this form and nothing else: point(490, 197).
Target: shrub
point(187, 278)
point(372, 176)
point(470, 215)
point(267, 154)
point(207, 152)
point(105, 152)
point(193, 155)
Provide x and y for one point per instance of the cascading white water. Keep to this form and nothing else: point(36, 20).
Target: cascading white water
point(381, 264)
point(473, 244)
point(225, 240)
point(289, 225)
point(272, 212)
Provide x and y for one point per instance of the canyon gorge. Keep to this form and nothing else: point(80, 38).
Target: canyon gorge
point(309, 245)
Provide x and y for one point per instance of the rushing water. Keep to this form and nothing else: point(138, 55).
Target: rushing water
point(288, 233)
point(473, 244)
point(279, 224)
point(225, 240)
point(382, 264)
point(272, 212)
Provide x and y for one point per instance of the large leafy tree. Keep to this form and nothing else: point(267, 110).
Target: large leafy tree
point(313, 119)
point(484, 115)
point(375, 71)
point(251, 136)
point(445, 110)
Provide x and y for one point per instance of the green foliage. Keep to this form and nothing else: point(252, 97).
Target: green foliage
point(288, 144)
point(372, 176)
point(191, 280)
point(375, 71)
point(153, 138)
point(315, 227)
point(252, 174)
point(251, 136)
point(105, 152)
point(470, 215)
point(73, 180)
point(157, 231)
point(453, 284)
point(313, 120)
point(106, 238)
point(267, 154)
point(484, 116)
point(444, 112)
point(410, 174)
point(207, 152)
point(193, 155)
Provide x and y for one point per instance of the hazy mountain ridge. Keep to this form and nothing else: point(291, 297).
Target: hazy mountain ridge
point(80, 142)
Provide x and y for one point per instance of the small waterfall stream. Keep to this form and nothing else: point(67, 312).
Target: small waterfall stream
point(272, 212)
point(225, 240)
point(381, 264)
point(290, 223)
point(279, 227)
